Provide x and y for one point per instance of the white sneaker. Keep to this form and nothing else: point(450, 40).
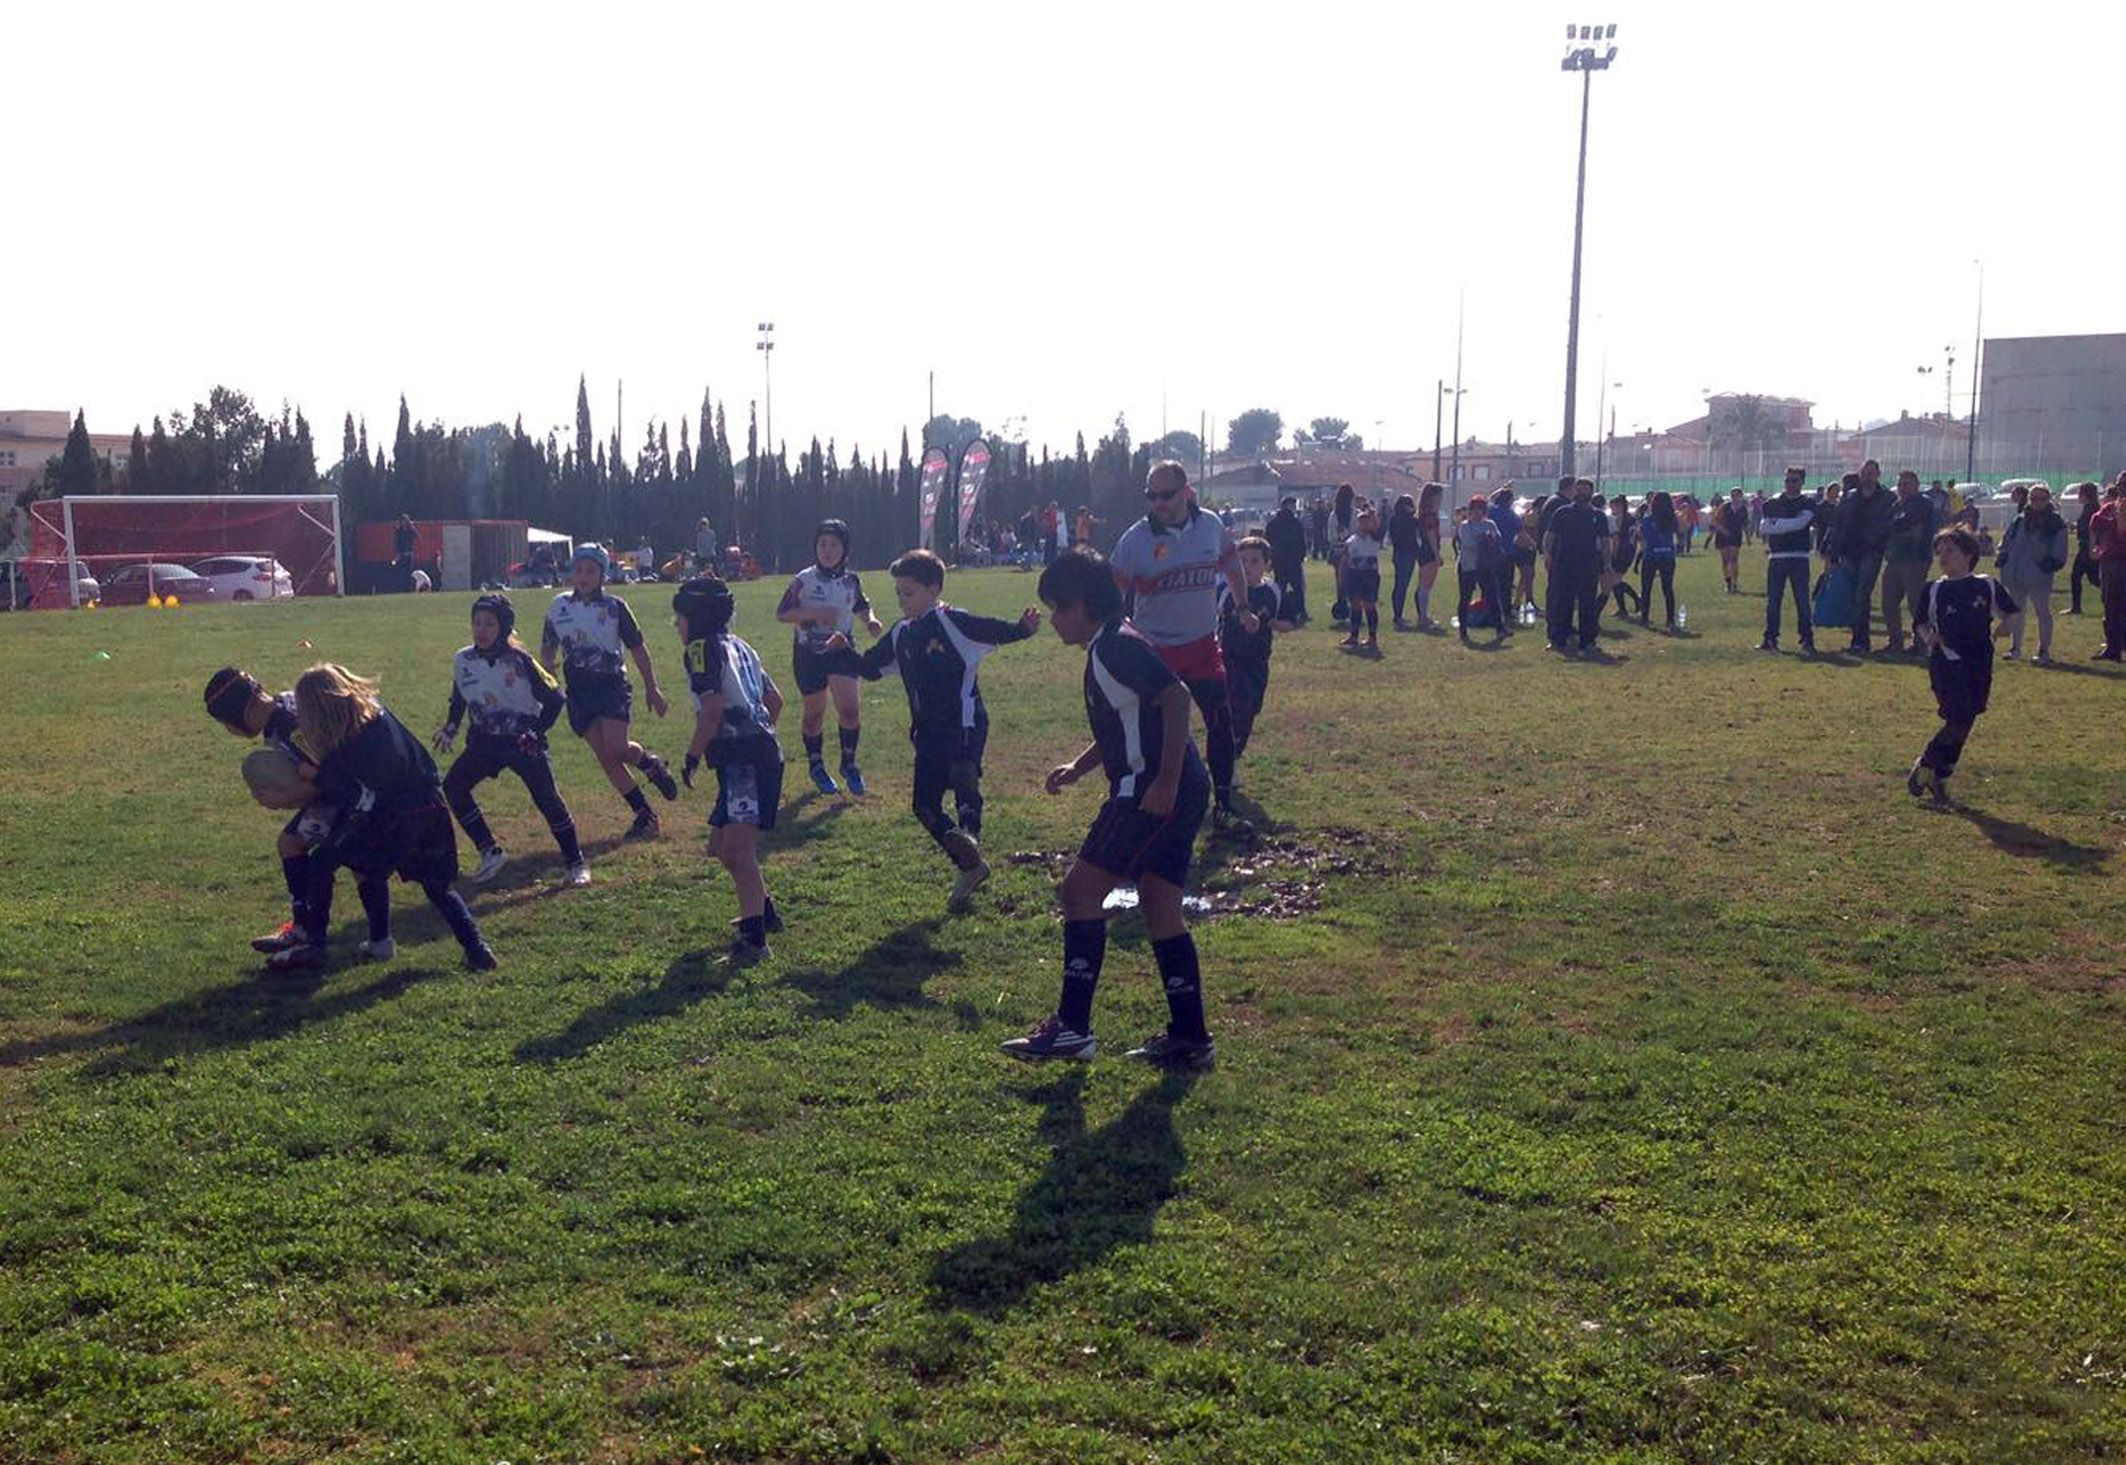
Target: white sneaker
point(578, 874)
point(491, 863)
point(383, 950)
point(971, 880)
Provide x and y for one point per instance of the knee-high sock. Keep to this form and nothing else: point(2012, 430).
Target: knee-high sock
point(376, 904)
point(1179, 971)
point(849, 737)
point(1084, 949)
point(296, 872)
point(455, 913)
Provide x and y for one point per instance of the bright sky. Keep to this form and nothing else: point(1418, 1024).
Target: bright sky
point(1066, 211)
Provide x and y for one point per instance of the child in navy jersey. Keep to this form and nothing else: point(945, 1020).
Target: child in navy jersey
point(593, 635)
point(1158, 791)
point(736, 703)
point(935, 648)
point(1247, 653)
point(823, 602)
point(512, 701)
point(1955, 619)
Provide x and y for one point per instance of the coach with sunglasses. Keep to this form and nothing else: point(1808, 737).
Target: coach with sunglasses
point(1169, 564)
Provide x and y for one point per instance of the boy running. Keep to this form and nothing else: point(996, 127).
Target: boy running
point(1145, 831)
point(935, 648)
point(513, 702)
point(823, 602)
point(1955, 619)
point(736, 703)
point(593, 634)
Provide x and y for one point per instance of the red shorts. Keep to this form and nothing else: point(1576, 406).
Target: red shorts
point(1194, 661)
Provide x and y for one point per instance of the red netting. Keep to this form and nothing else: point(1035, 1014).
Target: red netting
point(297, 532)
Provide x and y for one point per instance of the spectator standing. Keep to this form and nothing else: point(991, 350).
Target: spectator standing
point(1905, 557)
point(2107, 543)
point(2084, 562)
point(1858, 535)
point(1431, 545)
point(2032, 551)
point(1576, 549)
point(1623, 549)
point(1790, 522)
point(1287, 535)
point(1731, 522)
point(1318, 526)
point(1658, 531)
point(1051, 530)
point(1403, 542)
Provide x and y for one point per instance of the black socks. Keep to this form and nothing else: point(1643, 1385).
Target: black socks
point(1084, 948)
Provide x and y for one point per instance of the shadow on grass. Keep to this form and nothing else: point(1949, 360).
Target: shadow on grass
point(1101, 1190)
point(2106, 671)
point(689, 979)
point(890, 973)
point(533, 876)
point(809, 816)
point(2029, 843)
point(258, 1009)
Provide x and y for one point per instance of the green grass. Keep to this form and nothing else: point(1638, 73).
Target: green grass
point(1650, 1080)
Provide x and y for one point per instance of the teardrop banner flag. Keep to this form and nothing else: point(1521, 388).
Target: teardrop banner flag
point(937, 467)
point(974, 465)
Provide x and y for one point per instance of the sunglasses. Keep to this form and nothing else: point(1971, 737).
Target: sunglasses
point(1161, 495)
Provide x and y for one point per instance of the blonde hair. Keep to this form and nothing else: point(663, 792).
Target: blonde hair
point(332, 704)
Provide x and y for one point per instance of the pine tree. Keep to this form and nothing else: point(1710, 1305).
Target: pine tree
point(136, 464)
point(77, 464)
point(583, 423)
point(159, 466)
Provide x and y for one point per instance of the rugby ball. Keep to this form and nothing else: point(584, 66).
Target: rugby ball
point(272, 775)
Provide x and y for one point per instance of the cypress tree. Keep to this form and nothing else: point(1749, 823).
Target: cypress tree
point(77, 464)
point(136, 464)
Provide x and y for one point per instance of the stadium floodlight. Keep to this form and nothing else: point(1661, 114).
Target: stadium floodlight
point(1580, 56)
point(766, 347)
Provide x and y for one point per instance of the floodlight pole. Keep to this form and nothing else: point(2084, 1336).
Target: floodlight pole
point(1584, 59)
point(766, 347)
point(1978, 342)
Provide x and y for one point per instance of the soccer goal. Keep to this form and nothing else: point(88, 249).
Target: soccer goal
point(301, 531)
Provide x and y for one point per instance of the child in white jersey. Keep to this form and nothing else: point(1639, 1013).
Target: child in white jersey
point(592, 634)
point(1362, 578)
point(823, 601)
point(512, 702)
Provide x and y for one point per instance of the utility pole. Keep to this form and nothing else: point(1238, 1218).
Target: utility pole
point(1454, 474)
point(1580, 56)
point(1978, 339)
point(766, 347)
point(1439, 405)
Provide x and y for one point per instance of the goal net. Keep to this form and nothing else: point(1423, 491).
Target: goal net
point(100, 535)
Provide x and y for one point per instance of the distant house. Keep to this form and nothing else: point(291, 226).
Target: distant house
point(30, 438)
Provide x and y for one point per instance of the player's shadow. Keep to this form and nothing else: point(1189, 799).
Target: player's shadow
point(890, 973)
point(1100, 1191)
point(534, 876)
point(2030, 843)
point(809, 816)
point(689, 979)
point(257, 1009)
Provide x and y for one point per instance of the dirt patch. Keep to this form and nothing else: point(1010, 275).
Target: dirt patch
point(1275, 877)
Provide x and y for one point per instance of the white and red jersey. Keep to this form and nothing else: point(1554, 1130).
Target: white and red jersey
point(1172, 575)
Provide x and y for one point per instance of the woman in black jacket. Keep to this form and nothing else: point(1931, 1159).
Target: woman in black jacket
point(1404, 548)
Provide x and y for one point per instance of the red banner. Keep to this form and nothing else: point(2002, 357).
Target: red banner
point(974, 466)
point(937, 467)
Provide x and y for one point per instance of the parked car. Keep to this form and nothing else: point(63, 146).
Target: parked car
point(130, 585)
point(245, 577)
point(40, 584)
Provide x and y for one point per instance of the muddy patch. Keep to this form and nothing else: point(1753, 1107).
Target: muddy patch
point(1275, 877)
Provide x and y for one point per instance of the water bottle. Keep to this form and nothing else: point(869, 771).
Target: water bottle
point(1528, 614)
point(1682, 615)
point(1455, 621)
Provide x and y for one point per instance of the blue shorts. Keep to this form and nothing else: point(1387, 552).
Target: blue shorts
point(593, 695)
point(748, 791)
point(1129, 843)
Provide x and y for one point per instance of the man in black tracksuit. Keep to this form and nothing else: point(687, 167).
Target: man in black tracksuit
point(1577, 546)
point(1288, 558)
point(1787, 524)
point(1859, 534)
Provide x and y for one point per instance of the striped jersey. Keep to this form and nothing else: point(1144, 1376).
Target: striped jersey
point(726, 667)
point(1169, 576)
point(1124, 678)
point(936, 656)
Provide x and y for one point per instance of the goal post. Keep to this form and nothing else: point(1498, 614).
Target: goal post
point(301, 531)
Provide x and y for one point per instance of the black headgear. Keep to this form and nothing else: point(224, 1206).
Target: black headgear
point(229, 691)
point(840, 531)
point(706, 603)
point(498, 606)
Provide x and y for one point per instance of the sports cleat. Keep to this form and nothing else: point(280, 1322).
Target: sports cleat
point(578, 874)
point(971, 879)
point(854, 778)
point(644, 827)
point(659, 773)
point(380, 950)
point(280, 940)
point(481, 958)
point(1050, 1039)
point(1164, 1050)
point(1767, 644)
point(1225, 821)
point(1923, 781)
point(492, 860)
point(823, 780)
point(771, 921)
point(746, 953)
point(302, 957)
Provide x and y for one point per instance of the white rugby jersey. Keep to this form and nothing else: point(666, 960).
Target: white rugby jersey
point(837, 590)
point(503, 695)
point(1170, 575)
point(593, 634)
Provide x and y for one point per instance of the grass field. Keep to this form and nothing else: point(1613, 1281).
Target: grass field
point(1615, 1065)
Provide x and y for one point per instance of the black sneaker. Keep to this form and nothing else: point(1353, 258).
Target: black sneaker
point(1050, 1039)
point(1225, 821)
point(280, 940)
point(1808, 647)
point(659, 773)
point(746, 953)
point(481, 958)
point(1917, 780)
point(644, 827)
point(1164, 1050)
point(1767, 644)
point(303, 958)
point(771, 922)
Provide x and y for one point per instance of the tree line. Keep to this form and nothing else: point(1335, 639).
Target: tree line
point(589, 486)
